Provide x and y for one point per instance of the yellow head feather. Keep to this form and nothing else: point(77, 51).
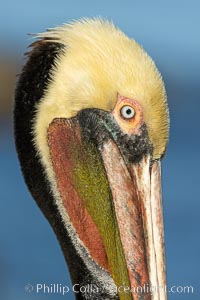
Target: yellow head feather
point(99, 61)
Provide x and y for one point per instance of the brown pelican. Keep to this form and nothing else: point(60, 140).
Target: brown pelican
point(91, 127)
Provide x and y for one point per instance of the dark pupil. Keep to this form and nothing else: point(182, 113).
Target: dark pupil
point(128, 111)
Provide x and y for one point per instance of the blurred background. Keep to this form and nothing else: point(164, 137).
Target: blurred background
point(169, 32)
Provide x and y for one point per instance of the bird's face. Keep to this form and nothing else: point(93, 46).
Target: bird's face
point(100, 132)
point(110, 187)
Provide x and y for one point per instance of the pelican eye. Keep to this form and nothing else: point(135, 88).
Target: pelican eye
point(127, 112)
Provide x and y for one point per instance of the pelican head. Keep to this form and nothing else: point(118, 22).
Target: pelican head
point(91, 128)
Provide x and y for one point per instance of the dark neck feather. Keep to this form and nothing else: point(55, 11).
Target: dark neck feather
point(30, 89)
